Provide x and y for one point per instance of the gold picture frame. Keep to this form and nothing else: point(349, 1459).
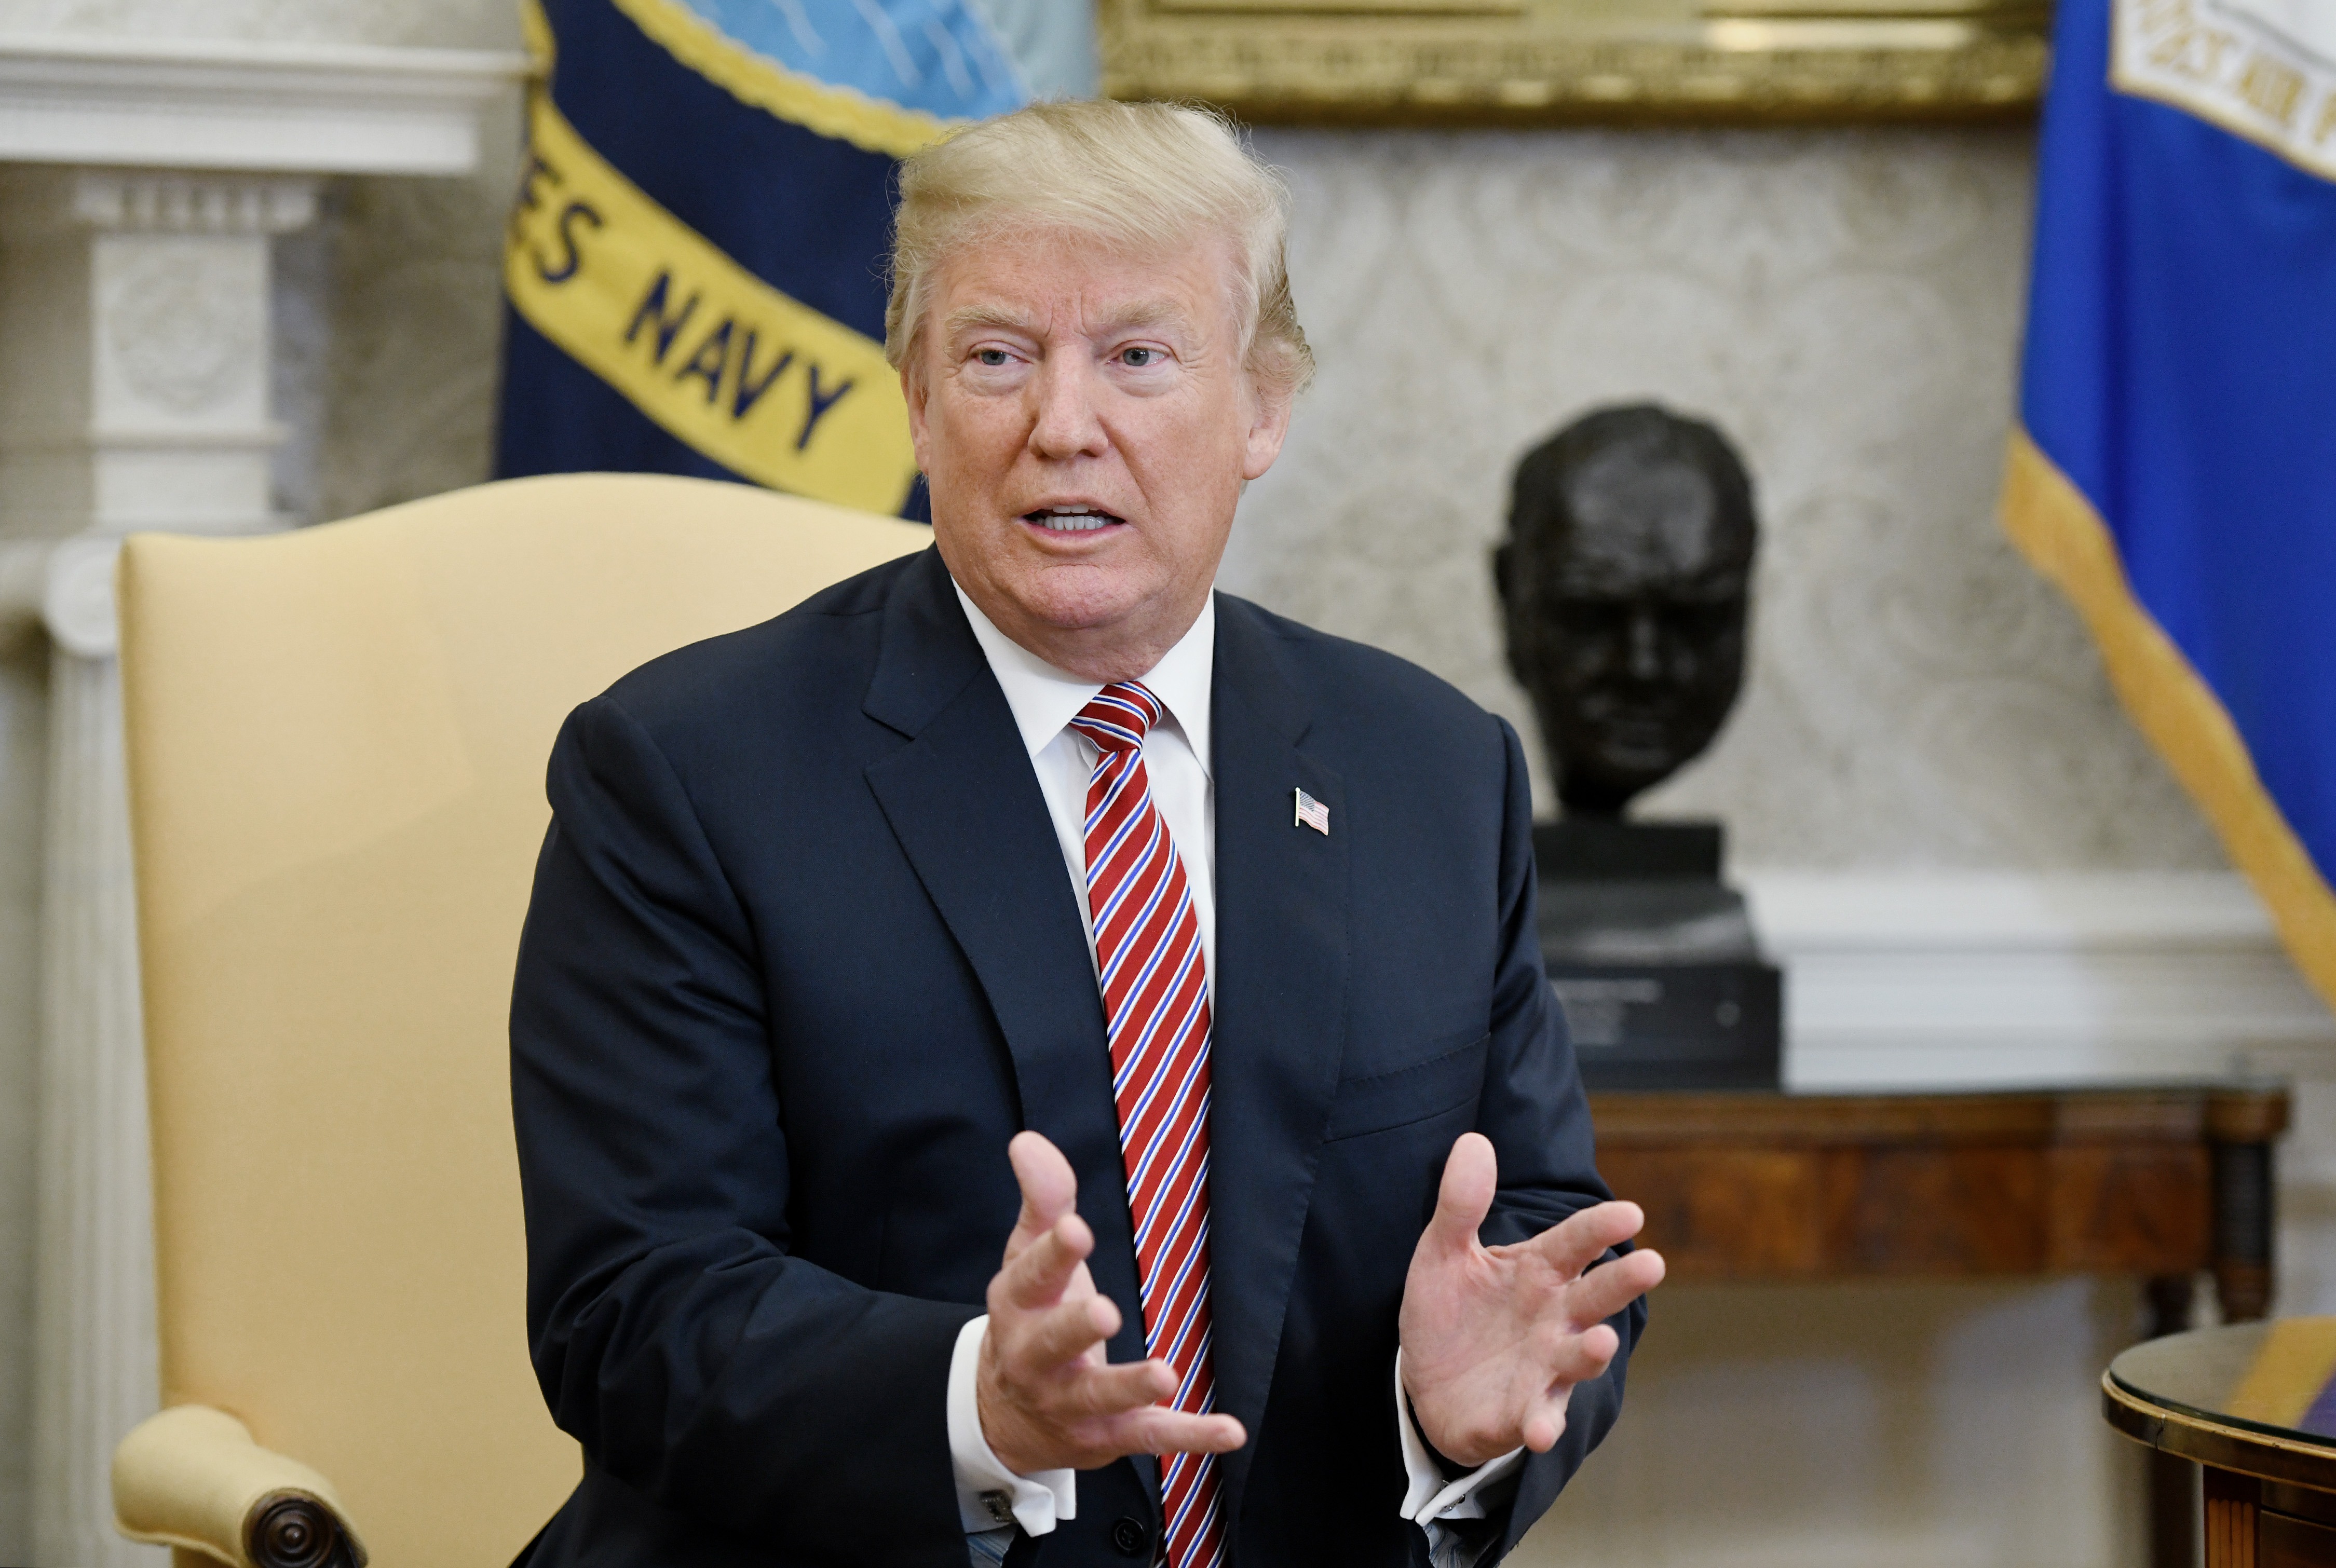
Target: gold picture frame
point(1395, 62)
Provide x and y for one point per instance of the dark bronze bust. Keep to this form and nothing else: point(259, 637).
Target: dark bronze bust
point(1626, 581)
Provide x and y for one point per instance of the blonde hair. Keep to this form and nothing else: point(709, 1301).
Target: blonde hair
point(1142, 177)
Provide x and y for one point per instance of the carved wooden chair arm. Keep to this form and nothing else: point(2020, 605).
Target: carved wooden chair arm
point(192, 1477)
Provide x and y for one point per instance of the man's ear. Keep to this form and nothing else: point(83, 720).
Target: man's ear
point(1269, 427)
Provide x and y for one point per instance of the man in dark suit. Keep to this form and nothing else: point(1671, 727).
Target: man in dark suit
point(1025, 892)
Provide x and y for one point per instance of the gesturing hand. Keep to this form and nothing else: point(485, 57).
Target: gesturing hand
point(1048, 1399)
point(1495, 1338)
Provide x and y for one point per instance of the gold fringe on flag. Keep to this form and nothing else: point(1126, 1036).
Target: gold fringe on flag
point(2057, 529)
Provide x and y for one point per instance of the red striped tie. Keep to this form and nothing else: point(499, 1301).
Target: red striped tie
point(1155, 997)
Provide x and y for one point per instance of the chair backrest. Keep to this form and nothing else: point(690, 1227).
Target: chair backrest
point(337, 743)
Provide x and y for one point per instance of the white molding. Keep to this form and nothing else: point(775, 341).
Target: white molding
point(95, 1347)
point(155, 202)
point(77, 601)
point(185, 103)
point(1960, 978)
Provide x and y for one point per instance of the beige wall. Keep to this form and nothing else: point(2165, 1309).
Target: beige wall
point(1814, 1427)
point(1846, 306)
point(413, 313)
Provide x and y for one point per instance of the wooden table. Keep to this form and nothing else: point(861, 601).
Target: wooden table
point(2255, 1405)
point(2162, 1183)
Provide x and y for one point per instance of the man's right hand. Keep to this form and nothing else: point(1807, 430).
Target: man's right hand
point(1049, 1400)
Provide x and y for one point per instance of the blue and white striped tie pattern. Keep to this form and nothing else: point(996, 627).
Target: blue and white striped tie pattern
point(1155, 993)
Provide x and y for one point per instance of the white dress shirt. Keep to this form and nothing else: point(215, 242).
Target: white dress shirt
point(1044, 700)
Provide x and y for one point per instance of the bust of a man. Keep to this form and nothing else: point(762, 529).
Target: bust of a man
point(1626, 580)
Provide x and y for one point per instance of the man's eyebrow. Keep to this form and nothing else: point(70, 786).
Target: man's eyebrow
point(999, 317)
point(1150, 313)
point(973, 317)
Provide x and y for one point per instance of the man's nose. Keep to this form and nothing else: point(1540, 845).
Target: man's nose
point(1067, 423)
point(1646, 651)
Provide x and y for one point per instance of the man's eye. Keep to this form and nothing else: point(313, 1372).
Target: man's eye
point(1137, 358)
point(990, 357)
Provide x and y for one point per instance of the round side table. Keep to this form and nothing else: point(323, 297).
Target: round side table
point(2255, 1405)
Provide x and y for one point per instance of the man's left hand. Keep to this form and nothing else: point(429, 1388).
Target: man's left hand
point(1495, 1338)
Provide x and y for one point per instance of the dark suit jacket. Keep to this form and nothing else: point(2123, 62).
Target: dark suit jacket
point(803, 956)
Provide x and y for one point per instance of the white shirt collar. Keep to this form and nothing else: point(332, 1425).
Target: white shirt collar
point(1045, 699)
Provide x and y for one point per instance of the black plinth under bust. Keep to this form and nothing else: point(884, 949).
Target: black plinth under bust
point(1654, 958)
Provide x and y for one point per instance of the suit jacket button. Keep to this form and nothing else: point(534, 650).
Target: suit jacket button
point(1131, 1537)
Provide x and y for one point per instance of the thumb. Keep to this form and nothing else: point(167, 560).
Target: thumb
point(1049, 1188)
point(1466, 1196)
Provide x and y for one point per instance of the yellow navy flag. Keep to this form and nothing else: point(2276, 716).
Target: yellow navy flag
point(695, 263)
point(2175, 468)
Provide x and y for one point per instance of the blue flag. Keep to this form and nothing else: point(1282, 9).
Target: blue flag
point(2175, 471)
point(695, 270)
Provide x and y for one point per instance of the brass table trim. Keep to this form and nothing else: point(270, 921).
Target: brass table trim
point(2309, 1464)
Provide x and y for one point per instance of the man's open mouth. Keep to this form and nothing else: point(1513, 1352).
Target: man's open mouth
point(1070, 519)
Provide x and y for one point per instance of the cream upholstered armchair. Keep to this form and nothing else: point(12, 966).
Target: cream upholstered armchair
point(337, 743)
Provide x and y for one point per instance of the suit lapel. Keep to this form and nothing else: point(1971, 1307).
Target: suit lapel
point(964, 803)
point(1280, 1018)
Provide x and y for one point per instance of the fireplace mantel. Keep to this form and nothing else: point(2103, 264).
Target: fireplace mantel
point(223, 105)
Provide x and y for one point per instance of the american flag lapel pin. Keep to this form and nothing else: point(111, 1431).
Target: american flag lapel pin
point(1312, 813)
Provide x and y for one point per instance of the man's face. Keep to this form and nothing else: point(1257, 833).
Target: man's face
point(1085, 423)
point(1637, 648)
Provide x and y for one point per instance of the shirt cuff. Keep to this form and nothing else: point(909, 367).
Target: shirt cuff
point(988, 1495)
point(1429, 1496)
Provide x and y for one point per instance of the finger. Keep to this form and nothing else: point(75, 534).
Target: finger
point(1464, 1197)
point(1609, 1288)
point(1038, 1275)
point(1581, 1357)
point(1579, 1240)
point(1046, 1341)
point(1112, 1390)
point(1049, 1187)
point(1160, 1430)
point(1544, 1425)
